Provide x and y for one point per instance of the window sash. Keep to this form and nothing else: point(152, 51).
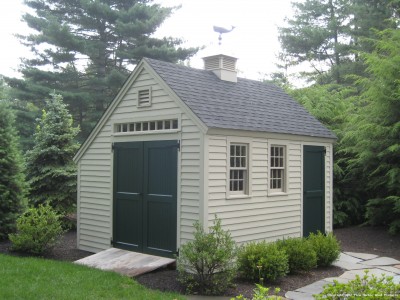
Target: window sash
point(277, 168)
point(238, 168)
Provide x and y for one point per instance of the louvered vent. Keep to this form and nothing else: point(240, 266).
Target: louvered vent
point(222, 65)
point(144, 98)
point(229, 63)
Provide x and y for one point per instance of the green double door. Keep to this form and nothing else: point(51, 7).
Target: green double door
point(313, 189)
point(145, 197)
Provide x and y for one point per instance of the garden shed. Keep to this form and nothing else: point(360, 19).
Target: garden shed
point(179, 145)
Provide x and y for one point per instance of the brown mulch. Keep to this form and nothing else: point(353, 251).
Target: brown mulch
point(373, 240)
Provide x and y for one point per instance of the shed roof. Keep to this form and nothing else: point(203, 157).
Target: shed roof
point(245, 105)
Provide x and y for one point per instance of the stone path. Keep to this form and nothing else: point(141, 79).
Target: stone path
point(354, 264)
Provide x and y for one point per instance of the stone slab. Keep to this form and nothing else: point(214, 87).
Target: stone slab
point(347, 258)
point(381, 261)
point(396, 279)
point(364, 256)
point(377, 272)
point(313, 288)
point(349, 266)
point(338, 279)
point(298, 296)
point(390, 269)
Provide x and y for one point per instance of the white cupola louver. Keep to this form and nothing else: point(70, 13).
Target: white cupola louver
point(223, 66)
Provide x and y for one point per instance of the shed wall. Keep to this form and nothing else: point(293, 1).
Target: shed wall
point(261, 215)
point(95, 169)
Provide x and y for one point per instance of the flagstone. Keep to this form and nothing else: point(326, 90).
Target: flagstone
point(381, 261)
point(364, 256)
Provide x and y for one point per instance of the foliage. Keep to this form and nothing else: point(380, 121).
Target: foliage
point(373, 137)
point(12, 180)
point(261, 293)
point(50, 169)
point(326, 35)
point(84, 49)
point(301, 254)
point(366, 287)
point(49, 279)
point(38, 230)
point(326, 247)
point(206, 264)
point(262, 261)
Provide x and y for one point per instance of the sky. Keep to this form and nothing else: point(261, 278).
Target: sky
point(254, 41)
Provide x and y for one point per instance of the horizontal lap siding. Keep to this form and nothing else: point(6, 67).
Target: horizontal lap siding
point(95, 167)
point(259, 217)
point(189, 179)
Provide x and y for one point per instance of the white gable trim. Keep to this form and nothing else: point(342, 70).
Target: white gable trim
point(122, 92)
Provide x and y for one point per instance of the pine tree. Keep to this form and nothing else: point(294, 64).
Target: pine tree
point(85, 48)
point(12, 181)
point(50, 169)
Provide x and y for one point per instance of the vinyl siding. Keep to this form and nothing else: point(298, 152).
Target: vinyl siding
point(261, 215)
point(95, 196)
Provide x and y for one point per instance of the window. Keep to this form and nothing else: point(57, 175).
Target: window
point(158, 125)
point(238, 178)
point(277, 168)
point(144, 98)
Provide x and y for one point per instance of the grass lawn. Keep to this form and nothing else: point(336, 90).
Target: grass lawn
point(35, 278)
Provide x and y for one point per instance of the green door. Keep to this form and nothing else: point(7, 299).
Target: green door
point(145, 194)
point(313, 189)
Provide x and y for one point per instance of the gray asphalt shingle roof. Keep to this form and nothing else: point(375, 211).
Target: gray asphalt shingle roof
point(245, 105)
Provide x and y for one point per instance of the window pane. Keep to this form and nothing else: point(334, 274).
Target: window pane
point(243, 150)
point(152, 125)
point(132, 127)
point(281, 162)
point(175, 124)
point(167, 125)
point(237, 162)
point(160, 125)
point(138, 126)
point(145, 126)
point(243, 162)
point(232, 162)
point(237, 150)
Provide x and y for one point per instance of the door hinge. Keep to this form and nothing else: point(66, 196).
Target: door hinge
point(325, 150)
point(179, 145)
point(112, 147)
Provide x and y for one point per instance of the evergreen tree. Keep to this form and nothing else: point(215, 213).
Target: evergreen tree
point(50, 169)
point(373, 137)
point(12, 181)
point(326, 35)
point(85, 48)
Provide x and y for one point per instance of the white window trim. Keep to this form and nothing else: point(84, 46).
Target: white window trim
point(144, 119)
point(248, 190)
point(284, 190)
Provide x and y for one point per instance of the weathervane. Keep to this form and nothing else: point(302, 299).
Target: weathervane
point(222, 30)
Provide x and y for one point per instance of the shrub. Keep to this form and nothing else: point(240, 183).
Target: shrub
point(38, 230)
point(301, 254)
point(326, 246)
point(206, 264)
point(367, 287)
point(261, 293)
point(262, 261)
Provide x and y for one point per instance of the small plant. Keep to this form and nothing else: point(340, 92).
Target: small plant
point(367, 287)
point(301, 254)
point(261, 293)
point(262, 261)
point(326, 247)
point(38, 230)
point(206, 264)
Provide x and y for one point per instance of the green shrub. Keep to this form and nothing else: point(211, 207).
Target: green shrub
point(367, 287)
point(206, 264)
point(326, 246)
point(261, 293)
point(262, 261)
point(38, 230)
point(301, 254)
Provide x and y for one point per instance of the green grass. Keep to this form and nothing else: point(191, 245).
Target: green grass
point(35, 278)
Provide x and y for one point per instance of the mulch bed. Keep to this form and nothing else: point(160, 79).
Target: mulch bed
point(373, 240)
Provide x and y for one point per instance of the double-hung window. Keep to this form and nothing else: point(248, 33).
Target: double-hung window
point(277, 168)
point(238, 171)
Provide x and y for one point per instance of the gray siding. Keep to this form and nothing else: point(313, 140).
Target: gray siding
point(262, 215)
point(96, 166)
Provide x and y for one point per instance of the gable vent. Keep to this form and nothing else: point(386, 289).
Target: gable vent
point(144, 98)
point(223, 66)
